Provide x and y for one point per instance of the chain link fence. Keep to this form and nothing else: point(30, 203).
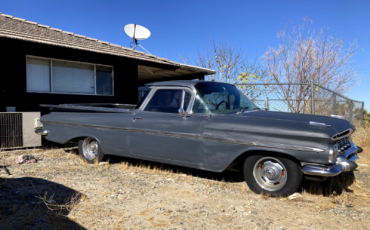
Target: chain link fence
point(303, 98)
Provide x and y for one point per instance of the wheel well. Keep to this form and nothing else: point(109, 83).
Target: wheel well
point(238, 162)
point(76, 140)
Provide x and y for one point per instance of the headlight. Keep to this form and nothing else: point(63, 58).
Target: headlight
point(333, 153)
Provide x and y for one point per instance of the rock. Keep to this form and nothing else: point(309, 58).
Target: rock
point(102, 163)
point(295, 196)
point(254, 213)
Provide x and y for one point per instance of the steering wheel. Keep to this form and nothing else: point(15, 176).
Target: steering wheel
point(221, 103)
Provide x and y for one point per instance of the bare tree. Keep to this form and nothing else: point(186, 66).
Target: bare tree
point(231, 66)
point(304, 55)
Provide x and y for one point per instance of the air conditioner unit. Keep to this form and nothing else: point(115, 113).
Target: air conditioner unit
point(17, 130)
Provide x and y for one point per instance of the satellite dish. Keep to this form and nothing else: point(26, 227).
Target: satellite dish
point(137, 32)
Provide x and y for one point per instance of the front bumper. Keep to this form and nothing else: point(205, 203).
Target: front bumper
point(344, 163)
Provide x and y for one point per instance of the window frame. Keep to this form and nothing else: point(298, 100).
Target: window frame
point(51, 76)
point(155, 89)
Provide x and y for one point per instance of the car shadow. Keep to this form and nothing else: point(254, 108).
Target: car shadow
point(22, 204)
point(333, 186)
point(226, 176)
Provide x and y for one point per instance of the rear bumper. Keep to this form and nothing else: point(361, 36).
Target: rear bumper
point(344, 163)
point(41, 131)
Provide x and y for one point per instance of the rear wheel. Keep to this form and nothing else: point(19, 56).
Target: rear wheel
point(277, 176)
point(90, 149)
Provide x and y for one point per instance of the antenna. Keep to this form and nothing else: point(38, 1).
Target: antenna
point(137, 32)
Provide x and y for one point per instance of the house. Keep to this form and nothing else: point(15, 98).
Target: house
point(44, 65)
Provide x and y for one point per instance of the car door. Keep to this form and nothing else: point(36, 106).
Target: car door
point(158, 130)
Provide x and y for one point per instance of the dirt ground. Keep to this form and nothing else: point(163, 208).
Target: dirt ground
point(61, 191)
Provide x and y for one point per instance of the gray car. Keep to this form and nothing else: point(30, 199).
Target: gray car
point(210, 126)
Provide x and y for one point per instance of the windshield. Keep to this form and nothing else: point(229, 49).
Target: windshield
point(220, 98)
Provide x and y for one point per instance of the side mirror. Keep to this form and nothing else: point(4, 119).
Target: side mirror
point(182, 113)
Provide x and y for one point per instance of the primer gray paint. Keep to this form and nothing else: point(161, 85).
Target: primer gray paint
point(209, 142)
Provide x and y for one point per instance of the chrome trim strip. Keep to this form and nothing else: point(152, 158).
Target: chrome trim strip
point(89, 126)
point(335, 138)
point(41, 131)
point(260, 144)
point(89, 108)
point(167, 134)
point(315, 170)
point(143, 131)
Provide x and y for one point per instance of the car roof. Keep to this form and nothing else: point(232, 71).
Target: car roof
point(188, 83)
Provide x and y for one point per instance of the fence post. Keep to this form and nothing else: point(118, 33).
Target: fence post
point(268, 104)
point(350, 111)
point(312, 97)
point(362, 112)
point(335, 104)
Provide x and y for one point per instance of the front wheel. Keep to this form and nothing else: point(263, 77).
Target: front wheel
point(277, 176)
point(90, 149)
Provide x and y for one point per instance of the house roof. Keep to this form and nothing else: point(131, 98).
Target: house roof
point(17, 28)
point(182, 83)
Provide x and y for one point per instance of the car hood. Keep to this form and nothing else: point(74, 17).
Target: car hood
point(338, 124)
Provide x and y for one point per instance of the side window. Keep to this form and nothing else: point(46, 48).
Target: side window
point(187, 100)
point(199, 106)
point(165, 101)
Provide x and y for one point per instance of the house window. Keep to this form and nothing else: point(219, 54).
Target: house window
point(66, 77)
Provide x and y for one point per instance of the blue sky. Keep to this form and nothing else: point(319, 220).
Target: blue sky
point(185, 26)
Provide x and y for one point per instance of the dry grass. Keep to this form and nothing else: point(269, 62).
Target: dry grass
point(362, 138)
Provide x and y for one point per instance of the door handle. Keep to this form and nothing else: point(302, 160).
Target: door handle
point(136, 118)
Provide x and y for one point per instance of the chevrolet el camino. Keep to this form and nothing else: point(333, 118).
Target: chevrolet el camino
point(210, 126)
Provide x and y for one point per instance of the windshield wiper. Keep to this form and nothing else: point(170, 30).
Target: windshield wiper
point(241, 111)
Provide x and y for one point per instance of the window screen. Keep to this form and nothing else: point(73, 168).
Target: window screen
point(166, 101)
point(55, 76)
point(69, 77)
point(38, 72)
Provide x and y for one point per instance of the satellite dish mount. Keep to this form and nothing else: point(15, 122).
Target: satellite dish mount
point(134, 39)
point(137, 32)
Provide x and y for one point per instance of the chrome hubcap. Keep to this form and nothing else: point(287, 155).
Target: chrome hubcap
point(270, 173)
point(90, 148)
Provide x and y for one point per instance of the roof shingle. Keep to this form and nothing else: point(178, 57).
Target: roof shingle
point(17, 28)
